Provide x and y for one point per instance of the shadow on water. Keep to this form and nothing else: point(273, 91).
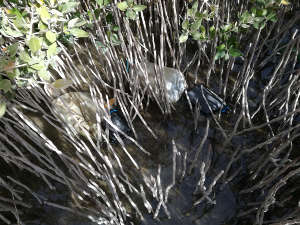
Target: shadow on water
point(180, 127)
point(221, 206)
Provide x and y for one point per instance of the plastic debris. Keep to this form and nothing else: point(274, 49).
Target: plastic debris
point(174, 80)
point(118, 120)
point(78, 110)
point(207, 98)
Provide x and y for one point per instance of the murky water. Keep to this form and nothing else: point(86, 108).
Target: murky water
point(180, 127)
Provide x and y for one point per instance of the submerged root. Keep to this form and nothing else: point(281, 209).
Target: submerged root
point(119, 183)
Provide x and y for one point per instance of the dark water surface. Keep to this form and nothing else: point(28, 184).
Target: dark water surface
point(179, 127)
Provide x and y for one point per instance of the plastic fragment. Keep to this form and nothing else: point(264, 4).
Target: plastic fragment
point(118, 120)
point(77, 109)
point(173, 79)
point(200, 94)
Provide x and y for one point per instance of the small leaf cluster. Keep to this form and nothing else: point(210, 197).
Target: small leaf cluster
point(198, 25)
point(104, 11)
point(130, 8)
point(31, 33)
point(34, 30)
point(99, 10)
point(257, 18)
point(194, 24)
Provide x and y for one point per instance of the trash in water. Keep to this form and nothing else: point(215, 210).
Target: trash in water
point(200, 94)
point(119, 121)
point(78, 110)
point(174, 81)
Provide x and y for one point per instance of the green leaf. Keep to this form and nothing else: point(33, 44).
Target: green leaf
point(42, 26)
point(139, 8)
point(44, 14)
point(8, 32)
point(19, 22)
point(130, 3)
point(212, 31)
point(221, 47)
point(264, 12)
point(245, 26)
point(122, 5)
point(199, 15)
point(272, 17)
point(76, 22)
point(2, 108)
point(44, 74)
point(24, 56)
point(183, 38)
point(190, 12)
point(15, 12)
point(90, 14)
point(185, 24)
point(284, 2)
point(196, 25)
point(115, 28)
point(195, 5)
point(253, 10)
point(102, 47)
point(52, 50)
point(244, 18)
point(220, 54)
point(115, 39)
point(79, 32)
point(256, 25)
point(12, 49)
point(197, 35)
point(202, 29)
point(51, 36)
point(235, 28)
point(13, 75)
point(62, 83)
point(34, 60)
point(68, 7)
point(30, 70)
point(235, 52)
point(5, 85)
point(130, 14)
point(2, 41)
point(102, 3)
point(227, 27)
point(73, 22)
point(38, 66)
point(34, 44)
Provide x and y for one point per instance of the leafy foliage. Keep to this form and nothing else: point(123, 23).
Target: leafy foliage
point(32, 31)
point(197, 24)
point(130, 8)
